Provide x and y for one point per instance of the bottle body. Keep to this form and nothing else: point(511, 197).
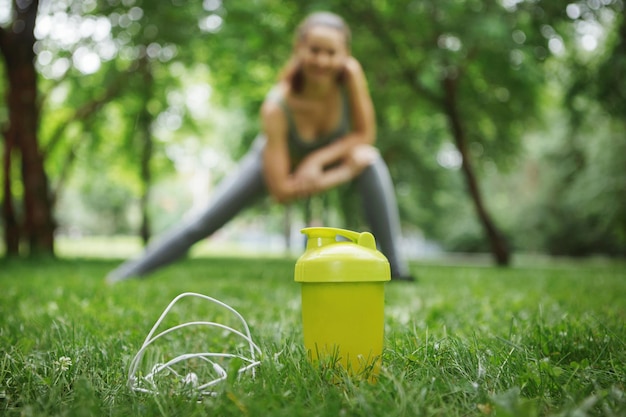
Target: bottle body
point(344, 323)
point(343, 298)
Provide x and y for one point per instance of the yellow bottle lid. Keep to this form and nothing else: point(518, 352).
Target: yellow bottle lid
point(328, 260)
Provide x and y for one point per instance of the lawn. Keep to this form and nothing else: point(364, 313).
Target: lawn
point(537, 339)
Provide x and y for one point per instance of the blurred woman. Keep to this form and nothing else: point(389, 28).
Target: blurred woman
point(318, 132)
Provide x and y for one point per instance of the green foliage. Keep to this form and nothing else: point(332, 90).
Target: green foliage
point(578, 208)
point(199, 71)
point(540, 340)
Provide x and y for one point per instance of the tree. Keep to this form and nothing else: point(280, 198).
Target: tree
point(473, 84)
point(580, 207)
point(21, 136)
point(130, 47)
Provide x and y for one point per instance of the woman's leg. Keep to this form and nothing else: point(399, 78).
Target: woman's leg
point(237, 191)
point(381, 212)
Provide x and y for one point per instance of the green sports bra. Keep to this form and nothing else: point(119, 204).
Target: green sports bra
point(299, 148)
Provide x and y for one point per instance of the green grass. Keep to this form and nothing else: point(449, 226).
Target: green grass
point(546, 340)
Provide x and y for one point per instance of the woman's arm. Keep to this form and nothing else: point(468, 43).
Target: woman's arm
point(281, 183)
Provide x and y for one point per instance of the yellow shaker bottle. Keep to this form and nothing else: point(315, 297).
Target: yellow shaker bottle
point(343, 298)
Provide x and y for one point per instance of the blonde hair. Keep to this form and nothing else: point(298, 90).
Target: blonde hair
point(292, 72)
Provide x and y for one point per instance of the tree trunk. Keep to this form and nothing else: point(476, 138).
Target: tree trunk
point(146, 146)
point(17, 48)
point(498, 244)
point(11, 227)
point(146, 180)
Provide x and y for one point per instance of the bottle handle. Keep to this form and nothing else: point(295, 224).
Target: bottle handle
point(320, 236)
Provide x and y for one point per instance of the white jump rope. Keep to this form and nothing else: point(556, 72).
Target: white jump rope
point(147, 383)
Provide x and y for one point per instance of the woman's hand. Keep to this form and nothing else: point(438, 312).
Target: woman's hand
point(307, 177)
point(312, 177)
point(360, 157)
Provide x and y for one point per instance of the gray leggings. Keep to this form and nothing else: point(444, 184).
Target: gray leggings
point(245, 186)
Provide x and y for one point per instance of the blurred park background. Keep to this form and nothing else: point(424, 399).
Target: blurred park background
point(503, 122)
